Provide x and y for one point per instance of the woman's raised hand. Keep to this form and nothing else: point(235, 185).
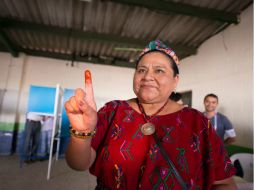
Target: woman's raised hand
point(81, 108)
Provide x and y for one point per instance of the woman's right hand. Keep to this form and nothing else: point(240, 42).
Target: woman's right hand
point(81, 108)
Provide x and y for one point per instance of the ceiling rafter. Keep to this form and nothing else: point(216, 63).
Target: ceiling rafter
point(7, 23)
point(8, 43)
point(77, 57)
point(169, 7)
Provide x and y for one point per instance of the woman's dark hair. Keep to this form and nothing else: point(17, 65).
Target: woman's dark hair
point(175, 96)
point(172, 62)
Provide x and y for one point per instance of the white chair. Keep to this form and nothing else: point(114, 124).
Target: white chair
point(246, 161)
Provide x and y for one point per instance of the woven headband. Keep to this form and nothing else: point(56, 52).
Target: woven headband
point(157, 45)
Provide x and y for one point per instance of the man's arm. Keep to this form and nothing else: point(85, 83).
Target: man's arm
point(230, 135)
point(229, 140)
point(226, 184)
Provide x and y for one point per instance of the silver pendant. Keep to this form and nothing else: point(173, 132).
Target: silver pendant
point(148, 129)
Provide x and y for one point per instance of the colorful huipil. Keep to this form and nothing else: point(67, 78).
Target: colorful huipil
point(126, 159)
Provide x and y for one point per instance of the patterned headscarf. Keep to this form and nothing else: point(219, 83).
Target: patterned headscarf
point(157, 45)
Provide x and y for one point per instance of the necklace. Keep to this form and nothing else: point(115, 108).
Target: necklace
point(148, 128)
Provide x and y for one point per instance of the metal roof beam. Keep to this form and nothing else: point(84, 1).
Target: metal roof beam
point(84, 35)
point(170, 7)
point(79, 58)
point(68, 32)
point(8, 44)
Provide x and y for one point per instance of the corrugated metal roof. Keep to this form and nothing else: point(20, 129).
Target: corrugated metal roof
point(109, 31)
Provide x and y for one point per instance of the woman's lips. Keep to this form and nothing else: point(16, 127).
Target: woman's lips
point(147, 86)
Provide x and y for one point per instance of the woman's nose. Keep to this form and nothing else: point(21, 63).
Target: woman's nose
point(149, 75)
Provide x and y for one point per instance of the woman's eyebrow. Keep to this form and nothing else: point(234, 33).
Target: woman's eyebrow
point(159, 66)
point(141, 66)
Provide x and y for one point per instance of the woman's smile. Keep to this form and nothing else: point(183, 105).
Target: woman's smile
point(147, 86)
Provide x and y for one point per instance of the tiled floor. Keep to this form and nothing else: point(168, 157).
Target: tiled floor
point(33, 176)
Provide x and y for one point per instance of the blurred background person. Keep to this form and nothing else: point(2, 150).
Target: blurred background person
point(46, 135)
point(220, 122)
point(31, 136)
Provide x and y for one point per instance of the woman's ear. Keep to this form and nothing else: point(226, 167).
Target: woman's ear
point(176, 80)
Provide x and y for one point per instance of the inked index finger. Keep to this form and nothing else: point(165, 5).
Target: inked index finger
point(88, 77)
point(89, 86)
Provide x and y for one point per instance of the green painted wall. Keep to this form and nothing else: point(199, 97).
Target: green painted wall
point(11, 126)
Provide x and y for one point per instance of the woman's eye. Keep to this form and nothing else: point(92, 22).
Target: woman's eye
point(141, 70)
point(159, 71)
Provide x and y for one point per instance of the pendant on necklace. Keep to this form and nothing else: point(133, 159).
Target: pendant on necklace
point(148, 128)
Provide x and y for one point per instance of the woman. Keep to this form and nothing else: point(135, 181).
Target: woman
point(125, 143)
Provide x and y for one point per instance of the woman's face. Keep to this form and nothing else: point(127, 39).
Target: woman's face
point(154, 78)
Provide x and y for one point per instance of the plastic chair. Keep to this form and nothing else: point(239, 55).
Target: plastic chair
point(246, 162)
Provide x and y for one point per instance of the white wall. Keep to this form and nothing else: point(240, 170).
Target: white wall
point(109, 82)
point(224, 66)
point(10, 83)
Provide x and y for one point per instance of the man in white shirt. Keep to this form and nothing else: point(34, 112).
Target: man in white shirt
point(46, 135)
point(32, 136)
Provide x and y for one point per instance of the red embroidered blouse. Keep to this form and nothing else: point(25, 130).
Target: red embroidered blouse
point(126, 159)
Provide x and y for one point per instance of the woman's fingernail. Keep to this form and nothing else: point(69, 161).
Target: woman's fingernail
point(88, 76)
